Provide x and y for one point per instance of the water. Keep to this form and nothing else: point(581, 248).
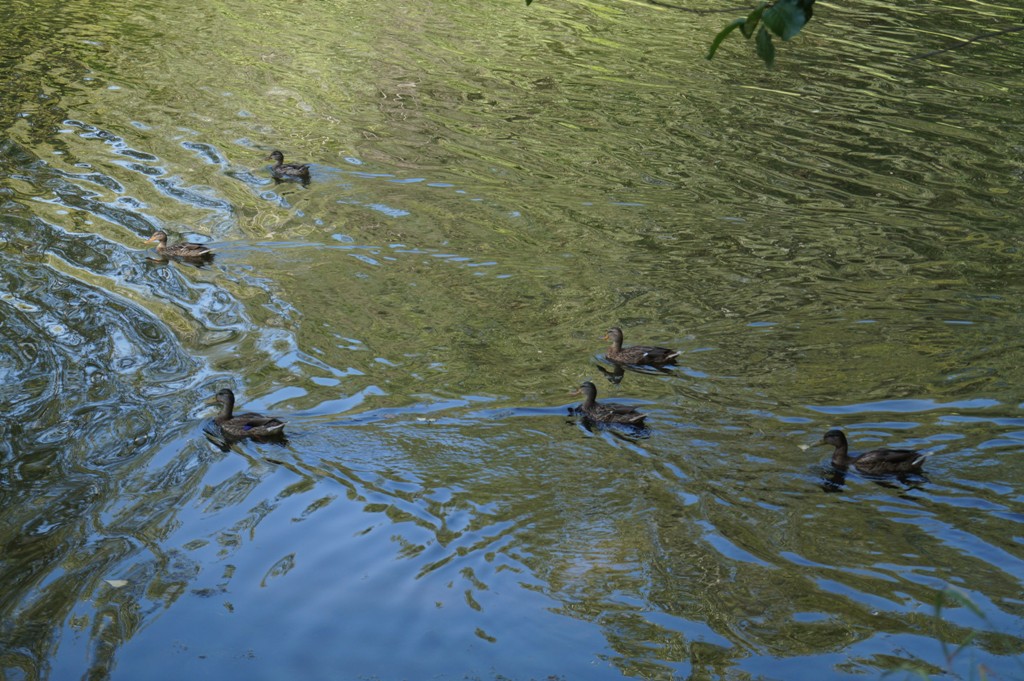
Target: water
point(832, 243)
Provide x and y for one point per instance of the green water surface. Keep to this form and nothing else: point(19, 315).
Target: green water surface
point(834, 242)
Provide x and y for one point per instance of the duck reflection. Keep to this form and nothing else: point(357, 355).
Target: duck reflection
point(617, 371)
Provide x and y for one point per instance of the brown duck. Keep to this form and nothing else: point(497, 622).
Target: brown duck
point(637, 354)
point(183, 249)
point(287, 171)
point(875, 462)
point(244, 425)
point(606, 412)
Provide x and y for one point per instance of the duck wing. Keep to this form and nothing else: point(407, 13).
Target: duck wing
point(890, 461)
point(188, 250)
point(252, 420)
point(656, 355)
point(611, 412)
point(644, 354)
point(251, 425)
point(300, 169)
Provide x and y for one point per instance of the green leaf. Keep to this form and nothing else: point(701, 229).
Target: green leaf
point(722, 35)
point(765, 48)
point(750, 23)
point(786, 17)
point(966, 643)
point(952, 596)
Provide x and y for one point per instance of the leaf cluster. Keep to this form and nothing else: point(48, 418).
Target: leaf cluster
point(784, 18)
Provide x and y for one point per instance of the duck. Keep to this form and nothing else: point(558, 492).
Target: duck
point(287, 171)
point(183, 249)
point(875, 462)
point(637, 354)
point(606, 412)
point(244, 425)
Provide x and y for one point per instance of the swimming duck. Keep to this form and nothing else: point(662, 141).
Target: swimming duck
point(183, 249)
point(875, 462)
point(637, 354)
point(244, 425)
point(606, 412)
point(287, 171)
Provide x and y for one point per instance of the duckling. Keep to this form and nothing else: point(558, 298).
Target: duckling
point(637, 354)
point(606, 412)
point(244, 425)
point(287, 171)
point(875, 462)
point(182, 249)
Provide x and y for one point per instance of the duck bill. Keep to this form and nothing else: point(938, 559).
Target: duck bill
point(150, 240)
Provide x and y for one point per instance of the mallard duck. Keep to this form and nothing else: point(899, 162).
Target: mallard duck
point(606, 412)
point(286, 171)
point(637, 354)
point(183, 249)
point(244, 425)
point(875, 462)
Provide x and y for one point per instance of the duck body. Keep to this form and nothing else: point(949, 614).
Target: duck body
point(183, 249)
point(877, 461)
point(606, 412)
point(637, 354)
point(287, 171)
point(239, 426)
